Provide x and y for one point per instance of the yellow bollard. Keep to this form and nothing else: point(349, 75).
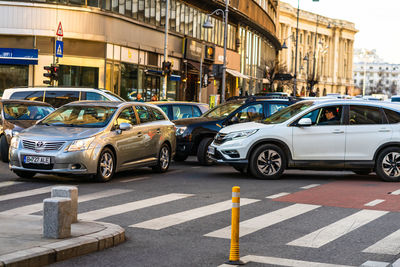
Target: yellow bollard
point(234, 257)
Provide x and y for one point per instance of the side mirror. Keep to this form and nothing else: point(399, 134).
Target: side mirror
point(124, 126)
point(234, 119)
point(304, 122)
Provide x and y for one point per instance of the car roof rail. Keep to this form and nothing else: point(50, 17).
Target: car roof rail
point(254, 98)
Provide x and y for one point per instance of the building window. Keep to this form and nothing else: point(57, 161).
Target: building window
point(78, 76)
point(13, 75)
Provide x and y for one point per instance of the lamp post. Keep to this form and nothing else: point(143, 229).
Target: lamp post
point(207, 24)
point(165, 80)
point(297, 44)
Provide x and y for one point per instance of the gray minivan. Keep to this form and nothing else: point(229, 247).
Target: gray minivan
point(58, 96)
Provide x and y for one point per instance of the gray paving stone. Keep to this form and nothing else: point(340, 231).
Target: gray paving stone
point(68, 192)
point(57, 217)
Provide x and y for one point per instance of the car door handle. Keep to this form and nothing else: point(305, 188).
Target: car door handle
point(338, 132)
point(139, 134)
point(384, 130)
point(158, 130)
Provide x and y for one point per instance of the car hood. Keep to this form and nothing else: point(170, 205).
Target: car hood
point(191, 121)
point(56, 133)
point(245, 127)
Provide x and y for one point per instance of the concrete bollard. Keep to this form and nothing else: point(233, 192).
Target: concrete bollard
point(57, 217)
point(68, 192)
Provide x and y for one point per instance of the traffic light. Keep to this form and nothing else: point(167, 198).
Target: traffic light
point(52, 74)
point(166, 68)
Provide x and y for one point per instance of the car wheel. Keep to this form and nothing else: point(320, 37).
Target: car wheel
point(240, 168)
point(24, 174)
point(4, 148)
point(267, 162)
point(362, 172)
point(388, 164)
point(105, 166)
point(202, 153)
point(180, 157)
point(164, 159)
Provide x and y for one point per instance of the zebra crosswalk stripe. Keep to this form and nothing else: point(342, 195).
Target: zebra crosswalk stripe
point(185, 216)
point(9, 183)
point(337, 229)
point(131, 206)
point(389, 245)
point(29, 209)
point(265, 220)
point(27, 193)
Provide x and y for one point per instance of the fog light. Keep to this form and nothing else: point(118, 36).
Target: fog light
point(76, 166)
point(231, 153)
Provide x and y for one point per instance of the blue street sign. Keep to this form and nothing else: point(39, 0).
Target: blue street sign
point(59, 48)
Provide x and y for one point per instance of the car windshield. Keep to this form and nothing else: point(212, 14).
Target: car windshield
point(80, 116)
point(223, 110)
point(286, 113)
point(16, 111)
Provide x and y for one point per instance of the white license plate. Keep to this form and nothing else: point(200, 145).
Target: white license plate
point(211, 150)
point(37, 160)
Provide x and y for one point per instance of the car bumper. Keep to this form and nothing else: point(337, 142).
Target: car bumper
point(77, 162)
point(229, 152)
point(183, 148)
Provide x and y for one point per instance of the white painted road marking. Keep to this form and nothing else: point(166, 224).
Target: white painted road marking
point(374, 202)
point(337, 229)
point(389, 245)
point(189, 215)
point(131, 206)
point(263, 221)
point(134, 179)
point(27, 193)
point(310, 186)
point(29, 209)
point(397, 192)
point(278, 195)
point(9, 183)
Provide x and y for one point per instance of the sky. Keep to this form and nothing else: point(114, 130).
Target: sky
point(377, 22)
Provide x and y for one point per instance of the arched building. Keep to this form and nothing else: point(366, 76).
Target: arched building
point(325, 51)
point(119, 45)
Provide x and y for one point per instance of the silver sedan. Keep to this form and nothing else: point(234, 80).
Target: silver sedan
point(95, 138)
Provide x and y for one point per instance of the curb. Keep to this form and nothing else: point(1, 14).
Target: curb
point(47, 254)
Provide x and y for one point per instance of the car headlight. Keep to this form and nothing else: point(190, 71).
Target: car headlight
point(239, 134)
point(180, 130)
point(14, 142)
point(11, 133)
point(79, 145)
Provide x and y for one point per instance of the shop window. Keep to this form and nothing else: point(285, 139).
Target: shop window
point(78, 76)
point(13, 76)
point(129, 81)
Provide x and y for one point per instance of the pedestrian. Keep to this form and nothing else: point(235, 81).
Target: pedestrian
point(139, 98)
point(154, 98)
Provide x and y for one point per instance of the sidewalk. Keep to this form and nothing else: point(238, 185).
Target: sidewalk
point(22, 244)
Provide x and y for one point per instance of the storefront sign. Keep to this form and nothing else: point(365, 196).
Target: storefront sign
point(17, 56)
point(129, 55)
point(192, 50)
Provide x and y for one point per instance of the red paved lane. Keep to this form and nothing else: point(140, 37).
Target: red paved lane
point(349, 194)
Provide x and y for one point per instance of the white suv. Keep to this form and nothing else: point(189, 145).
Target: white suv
point(363, 136)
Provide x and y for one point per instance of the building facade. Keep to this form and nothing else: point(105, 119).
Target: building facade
point(379, 77)
point(119, 45)
point(324, 51)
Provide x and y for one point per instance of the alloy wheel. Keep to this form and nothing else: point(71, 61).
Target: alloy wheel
point(106, 165)
point(269, 162)
point(164, 157)
point(391, 164)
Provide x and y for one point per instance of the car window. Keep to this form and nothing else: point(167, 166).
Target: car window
point(223, 110)
point(157, 114)
point(276, 107)
point(95, 96)
point(28, 95)
point(392, 116)
point(127, 116)
point(196, 112)
point(330, 115)
point(182, 112)
point(165, 109)
point(251, 113)
point(364, 115)
point(15, 111)
point(144, 114)
point(59, 98)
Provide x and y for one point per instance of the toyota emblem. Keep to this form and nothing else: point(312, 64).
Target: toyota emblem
point(39, 144)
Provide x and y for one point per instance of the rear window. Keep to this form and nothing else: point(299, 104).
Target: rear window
point(59, 98)
point(95, 96)
point(392, 116)
point(28, 95)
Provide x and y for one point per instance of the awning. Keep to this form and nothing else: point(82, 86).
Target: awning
point(17, 56)
point(265, 80)
point(236, 74)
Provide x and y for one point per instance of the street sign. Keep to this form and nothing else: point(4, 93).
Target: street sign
point(59, 49)
point(60, 30)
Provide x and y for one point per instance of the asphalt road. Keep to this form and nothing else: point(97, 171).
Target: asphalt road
point(179, 218)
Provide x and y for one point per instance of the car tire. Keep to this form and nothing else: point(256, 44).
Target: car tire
point(243, 169)
point(25, 174)
point(180, 157)
point(362, 172)
point(267, 162)
point(105, 166)
point(164, 159)
point(4, 148)
point(388, 164)
point(202, 153)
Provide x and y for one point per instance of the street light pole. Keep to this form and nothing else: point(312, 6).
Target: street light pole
point(165, 81)
point(297, 44)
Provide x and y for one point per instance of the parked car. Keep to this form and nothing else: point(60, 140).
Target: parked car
point(16, 115)
point(95, 138)
point(365, 137)
point(194, 135)
point(395, 98)
point(58, 96)
point(176, 110)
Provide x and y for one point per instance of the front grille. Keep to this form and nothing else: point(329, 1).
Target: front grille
point(43, 146)
point(38, 166)
point(219, 139)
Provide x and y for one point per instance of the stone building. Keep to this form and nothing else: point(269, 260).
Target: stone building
point(325, 51)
